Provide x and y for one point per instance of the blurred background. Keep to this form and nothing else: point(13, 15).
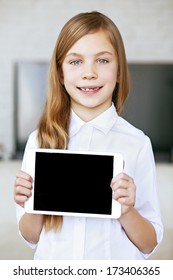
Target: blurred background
point(28, 32)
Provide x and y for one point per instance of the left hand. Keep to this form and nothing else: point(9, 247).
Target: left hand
point(124, 191)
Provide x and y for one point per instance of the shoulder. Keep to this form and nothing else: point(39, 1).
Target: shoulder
point(132, 134)
point(32, 140)
point(134, 145)
point(128, 128)
point(32, 143)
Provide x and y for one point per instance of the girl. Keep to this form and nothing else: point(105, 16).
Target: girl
point(88, 85)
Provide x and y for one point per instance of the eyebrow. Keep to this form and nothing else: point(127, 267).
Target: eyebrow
point(97, 54)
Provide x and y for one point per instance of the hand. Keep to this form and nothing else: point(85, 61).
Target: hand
point(22, 188)
point(124, 191)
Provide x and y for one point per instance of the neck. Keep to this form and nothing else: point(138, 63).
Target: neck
point(88, 114)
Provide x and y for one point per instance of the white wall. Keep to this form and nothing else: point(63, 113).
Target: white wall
point(28, 30)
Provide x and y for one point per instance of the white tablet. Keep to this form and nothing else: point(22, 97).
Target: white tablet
point(73, 183)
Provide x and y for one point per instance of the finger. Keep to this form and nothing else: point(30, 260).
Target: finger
point(20, 190)
point(125, 196)
point(23, 183)
point(21, 195)
point(122, 176)
point(121, 192)
point(126, 201)
point(21, 200)
point(23, 175)
point(120, 184)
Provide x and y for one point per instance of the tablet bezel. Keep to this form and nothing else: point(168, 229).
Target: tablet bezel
point(30, 169)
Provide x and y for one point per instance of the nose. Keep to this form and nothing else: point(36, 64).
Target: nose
point(89, 72)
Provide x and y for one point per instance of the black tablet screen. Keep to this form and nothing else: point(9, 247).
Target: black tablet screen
point(77, 183)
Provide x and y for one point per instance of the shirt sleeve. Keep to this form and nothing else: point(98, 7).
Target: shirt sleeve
point(147, 202)
point(20, 211)
point(32, 143)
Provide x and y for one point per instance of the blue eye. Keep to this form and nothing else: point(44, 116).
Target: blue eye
point(102, 61)
point(75, 62)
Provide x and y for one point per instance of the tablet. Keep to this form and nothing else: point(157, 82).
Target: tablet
point(73, 183)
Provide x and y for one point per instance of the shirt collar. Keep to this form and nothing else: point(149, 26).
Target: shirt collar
point(103, 122)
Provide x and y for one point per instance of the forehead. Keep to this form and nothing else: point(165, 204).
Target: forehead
point(93, 43)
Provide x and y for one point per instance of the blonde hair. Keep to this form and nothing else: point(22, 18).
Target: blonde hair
point(54, 123)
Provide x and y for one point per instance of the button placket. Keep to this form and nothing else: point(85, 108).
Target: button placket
point(85, 137)
point(79, 238)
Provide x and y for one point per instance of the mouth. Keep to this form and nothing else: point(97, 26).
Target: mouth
point(89, 89)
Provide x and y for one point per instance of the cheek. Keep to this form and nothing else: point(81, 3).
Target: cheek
point(111, 78)
point(110, 74)
point(69, 76)
point(69, 81)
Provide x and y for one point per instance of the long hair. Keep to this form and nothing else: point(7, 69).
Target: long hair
point(54, 124)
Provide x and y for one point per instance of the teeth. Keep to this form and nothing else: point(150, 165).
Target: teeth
point(90, 89)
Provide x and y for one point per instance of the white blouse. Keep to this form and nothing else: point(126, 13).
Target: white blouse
point(92, 238)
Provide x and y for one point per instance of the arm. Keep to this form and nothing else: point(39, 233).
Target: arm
point(138, 229)
point(30, 225)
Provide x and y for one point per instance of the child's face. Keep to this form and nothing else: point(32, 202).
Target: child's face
point(90, 74)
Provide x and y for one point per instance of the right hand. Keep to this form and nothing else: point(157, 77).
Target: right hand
point(22, 188)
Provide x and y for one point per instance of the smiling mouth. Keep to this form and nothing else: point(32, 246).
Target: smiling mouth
point(89, 89)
